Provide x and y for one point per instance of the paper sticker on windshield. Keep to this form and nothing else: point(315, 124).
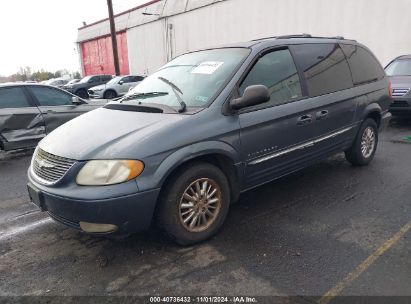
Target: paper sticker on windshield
point(208, 67)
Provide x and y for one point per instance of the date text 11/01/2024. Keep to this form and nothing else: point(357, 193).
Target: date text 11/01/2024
point(237, 299)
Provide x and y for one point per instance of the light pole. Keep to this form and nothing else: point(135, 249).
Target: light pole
point(113, 36)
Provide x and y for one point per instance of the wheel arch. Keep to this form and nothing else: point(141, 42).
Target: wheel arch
point(373, 111)
point(221, 155)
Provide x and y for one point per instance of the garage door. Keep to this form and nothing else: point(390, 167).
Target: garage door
point(97, 55)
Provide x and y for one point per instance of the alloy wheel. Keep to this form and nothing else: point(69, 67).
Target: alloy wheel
point(200, 205)
point(368, 142)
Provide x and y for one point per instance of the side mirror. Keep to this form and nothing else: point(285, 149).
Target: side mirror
point(121, 82)
point(253, 95)
point(76, 100)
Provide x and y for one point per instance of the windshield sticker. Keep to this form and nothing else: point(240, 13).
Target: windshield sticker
point(202, 98)
point(208, 67)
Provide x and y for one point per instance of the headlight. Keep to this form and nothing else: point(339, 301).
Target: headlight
point(109, 172)
point(97, 90)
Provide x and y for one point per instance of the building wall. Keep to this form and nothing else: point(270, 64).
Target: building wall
point(381, 25)
point(97, 55)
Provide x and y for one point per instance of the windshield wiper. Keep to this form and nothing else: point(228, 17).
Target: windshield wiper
point(176, 91)
point(143, 95)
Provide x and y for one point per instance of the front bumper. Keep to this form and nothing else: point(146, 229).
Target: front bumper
point(130, 213)
point(95, 94)
point(401, 106)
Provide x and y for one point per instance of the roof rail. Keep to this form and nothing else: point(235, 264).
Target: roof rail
point(304, 35)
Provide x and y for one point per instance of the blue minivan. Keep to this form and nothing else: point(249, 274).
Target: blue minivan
point(182, 146)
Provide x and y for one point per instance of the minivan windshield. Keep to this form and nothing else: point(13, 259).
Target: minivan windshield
point(192, 79)
point(399, 68)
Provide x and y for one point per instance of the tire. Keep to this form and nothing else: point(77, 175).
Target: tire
point(175, 207)
point(363, 149)
point(110, 94)
point(82, 94)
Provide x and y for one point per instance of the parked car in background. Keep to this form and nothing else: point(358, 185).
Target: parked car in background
point(28, 112)
point(72, 81)
point(399, 71)
point(118, 86)
point(80, 88)
point(57, 82)
point(183, 144)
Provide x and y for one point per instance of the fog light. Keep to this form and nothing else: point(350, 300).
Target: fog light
point(97, 228)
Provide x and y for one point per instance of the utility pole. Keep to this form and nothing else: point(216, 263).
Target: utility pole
point(113, 36)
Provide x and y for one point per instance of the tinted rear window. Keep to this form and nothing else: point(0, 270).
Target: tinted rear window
point(364, 66)
point(324, 66)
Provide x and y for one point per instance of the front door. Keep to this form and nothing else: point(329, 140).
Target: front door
point(21, 123)
point(276, 137)
point(56, 106)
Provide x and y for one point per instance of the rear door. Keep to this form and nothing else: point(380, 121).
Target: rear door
point(276, 137)
point(21, 123)
point(56, 106)
point(329, 84)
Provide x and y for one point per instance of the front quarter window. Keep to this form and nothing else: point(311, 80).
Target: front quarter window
point(51, 97)
point(197, 77)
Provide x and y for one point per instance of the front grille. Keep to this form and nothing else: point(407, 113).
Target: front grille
point(49, 168)
point(400, 104)
point(399, 92)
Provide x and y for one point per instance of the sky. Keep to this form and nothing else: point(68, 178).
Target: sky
point(41, 34)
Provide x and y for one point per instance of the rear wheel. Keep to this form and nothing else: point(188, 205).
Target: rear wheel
point(363, 150)
point(194, 204)
point(110, 94)
point(82, 94)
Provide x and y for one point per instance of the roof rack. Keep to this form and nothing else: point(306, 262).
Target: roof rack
point(304, 35)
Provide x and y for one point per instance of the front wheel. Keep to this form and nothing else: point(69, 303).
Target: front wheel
point(110, 94)
point(194, 204)
point(363, 150)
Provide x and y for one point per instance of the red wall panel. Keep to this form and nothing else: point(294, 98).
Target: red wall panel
point(97, 55)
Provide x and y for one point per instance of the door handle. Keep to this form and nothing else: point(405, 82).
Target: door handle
point(322, 115)
point(305, 120)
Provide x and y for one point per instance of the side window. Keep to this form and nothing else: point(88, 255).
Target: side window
point(13, 98)
point(133, 79)
point(127, 79)
point(139, 78)
point(364, 66)
point(324, 66)
point(106, 78)
point(51, 97)
point(277, 71)
point(94, 79)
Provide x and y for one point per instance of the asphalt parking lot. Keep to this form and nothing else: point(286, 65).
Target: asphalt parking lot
point(329, 228)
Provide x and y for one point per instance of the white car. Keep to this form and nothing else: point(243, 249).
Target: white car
point(118, 86)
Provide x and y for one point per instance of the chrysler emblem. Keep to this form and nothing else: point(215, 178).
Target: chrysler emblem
point(42, 163)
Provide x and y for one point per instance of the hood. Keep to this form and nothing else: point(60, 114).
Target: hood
point(107, 134)
point(400, 81)
point(99, 87)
